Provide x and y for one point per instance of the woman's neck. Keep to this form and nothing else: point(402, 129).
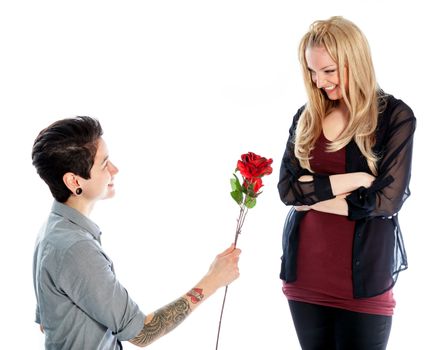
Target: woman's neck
point(80, 204)
point(342, 107)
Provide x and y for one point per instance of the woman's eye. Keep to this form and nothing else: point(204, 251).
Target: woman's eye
point(330, 71)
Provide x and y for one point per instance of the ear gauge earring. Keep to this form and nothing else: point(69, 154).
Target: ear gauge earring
point(78, 191)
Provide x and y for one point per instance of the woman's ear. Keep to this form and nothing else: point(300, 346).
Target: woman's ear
point(70, 180)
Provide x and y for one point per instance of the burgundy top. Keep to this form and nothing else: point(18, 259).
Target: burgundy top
point(324, 266)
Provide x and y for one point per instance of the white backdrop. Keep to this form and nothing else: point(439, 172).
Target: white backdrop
point(182, 88)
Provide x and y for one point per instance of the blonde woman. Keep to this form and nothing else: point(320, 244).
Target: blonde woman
point(345, 172)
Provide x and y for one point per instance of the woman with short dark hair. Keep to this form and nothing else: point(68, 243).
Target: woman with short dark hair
point(80, 302)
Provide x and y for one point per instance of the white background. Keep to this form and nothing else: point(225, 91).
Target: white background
point(182, 88)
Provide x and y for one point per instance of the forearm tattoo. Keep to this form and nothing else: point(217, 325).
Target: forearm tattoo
point(195, 295)
point(164, 321)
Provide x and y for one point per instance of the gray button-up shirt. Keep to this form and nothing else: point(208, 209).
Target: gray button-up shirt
point(80, 302)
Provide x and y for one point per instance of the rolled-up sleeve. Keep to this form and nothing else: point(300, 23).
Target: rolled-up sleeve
point(390, 189)
point(292, 191)
point(87, 277)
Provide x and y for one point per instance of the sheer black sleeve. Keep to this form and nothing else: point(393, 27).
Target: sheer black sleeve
point(291, 190)
point(391, 187)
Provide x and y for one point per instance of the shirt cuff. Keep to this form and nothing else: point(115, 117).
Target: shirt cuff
point(360, 203)
point(133, 328)
point(322, 187)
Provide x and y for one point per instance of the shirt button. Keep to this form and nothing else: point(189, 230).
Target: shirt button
point(357, 263)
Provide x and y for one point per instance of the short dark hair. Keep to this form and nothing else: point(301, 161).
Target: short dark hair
point(67, 145)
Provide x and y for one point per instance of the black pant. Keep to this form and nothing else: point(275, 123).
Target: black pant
point(327, 328)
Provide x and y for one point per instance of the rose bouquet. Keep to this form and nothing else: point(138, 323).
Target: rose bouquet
point(252, 168)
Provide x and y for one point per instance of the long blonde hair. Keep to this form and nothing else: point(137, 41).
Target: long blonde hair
point(348, 47)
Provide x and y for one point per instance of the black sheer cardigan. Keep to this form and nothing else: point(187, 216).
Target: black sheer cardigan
point(378, 248)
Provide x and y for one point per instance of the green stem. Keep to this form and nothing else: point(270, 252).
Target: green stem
point(240, 222)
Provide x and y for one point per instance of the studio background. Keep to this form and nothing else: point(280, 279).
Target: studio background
point(182, 89)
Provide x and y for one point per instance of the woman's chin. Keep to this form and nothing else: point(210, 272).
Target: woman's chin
point(110, 194)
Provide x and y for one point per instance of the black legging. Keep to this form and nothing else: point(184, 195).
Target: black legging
point(327, 328)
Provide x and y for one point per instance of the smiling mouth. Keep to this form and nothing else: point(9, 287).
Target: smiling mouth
point(329, 88)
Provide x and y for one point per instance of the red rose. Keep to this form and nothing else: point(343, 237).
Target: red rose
point(255, 182)
point(253, 166)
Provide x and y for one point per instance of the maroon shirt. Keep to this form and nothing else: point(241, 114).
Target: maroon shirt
point(324, 266)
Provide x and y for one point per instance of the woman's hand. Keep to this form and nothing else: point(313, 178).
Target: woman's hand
point(224, 268)
point(366, 179)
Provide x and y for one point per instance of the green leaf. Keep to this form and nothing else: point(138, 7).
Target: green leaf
point(235, 184)
point(237, 181)
point(250, 202)
point(237, 196)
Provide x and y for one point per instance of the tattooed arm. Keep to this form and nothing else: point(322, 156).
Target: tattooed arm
point(222, 272)
point(162, 321)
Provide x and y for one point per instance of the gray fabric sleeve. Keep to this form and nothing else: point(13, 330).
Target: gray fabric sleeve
point(37, 315)
point(87, 277)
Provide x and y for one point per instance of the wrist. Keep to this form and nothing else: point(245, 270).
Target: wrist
point(207, 285)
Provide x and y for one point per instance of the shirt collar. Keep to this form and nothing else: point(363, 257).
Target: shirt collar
point(77, 218)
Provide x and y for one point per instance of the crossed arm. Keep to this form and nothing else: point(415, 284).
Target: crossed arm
point(386, 194)
point(342, 185)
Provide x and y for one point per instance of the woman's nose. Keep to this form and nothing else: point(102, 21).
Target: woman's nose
point(320, 81)
point(113, 168)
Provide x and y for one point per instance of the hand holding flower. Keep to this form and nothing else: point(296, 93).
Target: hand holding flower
point(252, 168)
